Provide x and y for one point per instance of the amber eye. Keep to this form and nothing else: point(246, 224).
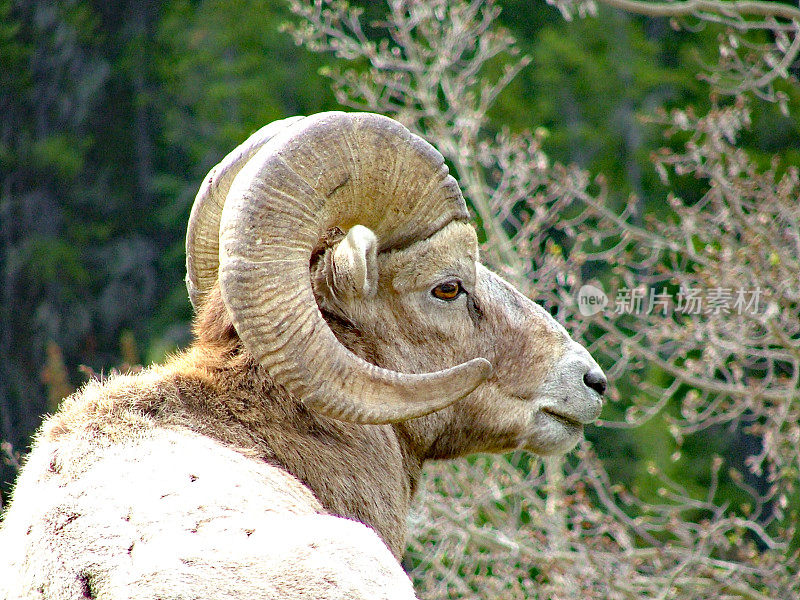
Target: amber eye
point(447, 291)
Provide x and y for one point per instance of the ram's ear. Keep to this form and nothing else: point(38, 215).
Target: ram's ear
point(352, 265)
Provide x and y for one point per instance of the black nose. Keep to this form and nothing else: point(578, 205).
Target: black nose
point(596, 380)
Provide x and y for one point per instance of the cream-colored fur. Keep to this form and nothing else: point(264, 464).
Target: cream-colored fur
point(173, 514)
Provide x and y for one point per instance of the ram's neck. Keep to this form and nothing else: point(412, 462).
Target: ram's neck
point(362, 472)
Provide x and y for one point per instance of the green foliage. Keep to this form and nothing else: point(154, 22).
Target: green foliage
point(230, 71)
point(63, 154)
point(49, 259)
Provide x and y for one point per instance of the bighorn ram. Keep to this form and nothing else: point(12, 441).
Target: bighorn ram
point(346, 333)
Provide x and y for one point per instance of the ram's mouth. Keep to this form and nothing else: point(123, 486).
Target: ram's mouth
point(565, 420)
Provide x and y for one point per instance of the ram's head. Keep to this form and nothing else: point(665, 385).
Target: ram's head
point(348, 269)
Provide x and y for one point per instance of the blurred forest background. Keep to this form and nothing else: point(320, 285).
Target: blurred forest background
point(112, 112)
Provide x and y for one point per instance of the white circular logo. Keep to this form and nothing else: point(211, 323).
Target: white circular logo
point(591, 300)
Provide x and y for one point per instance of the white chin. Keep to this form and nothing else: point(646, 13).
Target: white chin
point(549, 435)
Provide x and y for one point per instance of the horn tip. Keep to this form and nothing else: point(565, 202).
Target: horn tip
point(482, 366)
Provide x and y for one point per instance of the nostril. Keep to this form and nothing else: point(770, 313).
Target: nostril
point(596, 380)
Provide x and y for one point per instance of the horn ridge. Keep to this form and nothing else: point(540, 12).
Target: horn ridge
point(202, 236)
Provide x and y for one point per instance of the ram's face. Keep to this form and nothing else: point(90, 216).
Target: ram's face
point(432, 305)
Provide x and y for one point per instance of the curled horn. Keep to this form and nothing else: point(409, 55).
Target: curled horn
point(202, 235)
point(321, 172)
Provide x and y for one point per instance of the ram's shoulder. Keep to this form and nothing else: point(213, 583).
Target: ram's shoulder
point(168, 493)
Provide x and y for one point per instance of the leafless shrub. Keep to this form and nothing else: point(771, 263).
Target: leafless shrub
point(507, 533)
point(746, 63)
point(704, 291)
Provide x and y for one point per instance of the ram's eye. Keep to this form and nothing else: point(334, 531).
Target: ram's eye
point(447, 291)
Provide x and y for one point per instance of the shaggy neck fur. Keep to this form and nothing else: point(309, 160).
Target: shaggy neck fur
point(377, 466)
